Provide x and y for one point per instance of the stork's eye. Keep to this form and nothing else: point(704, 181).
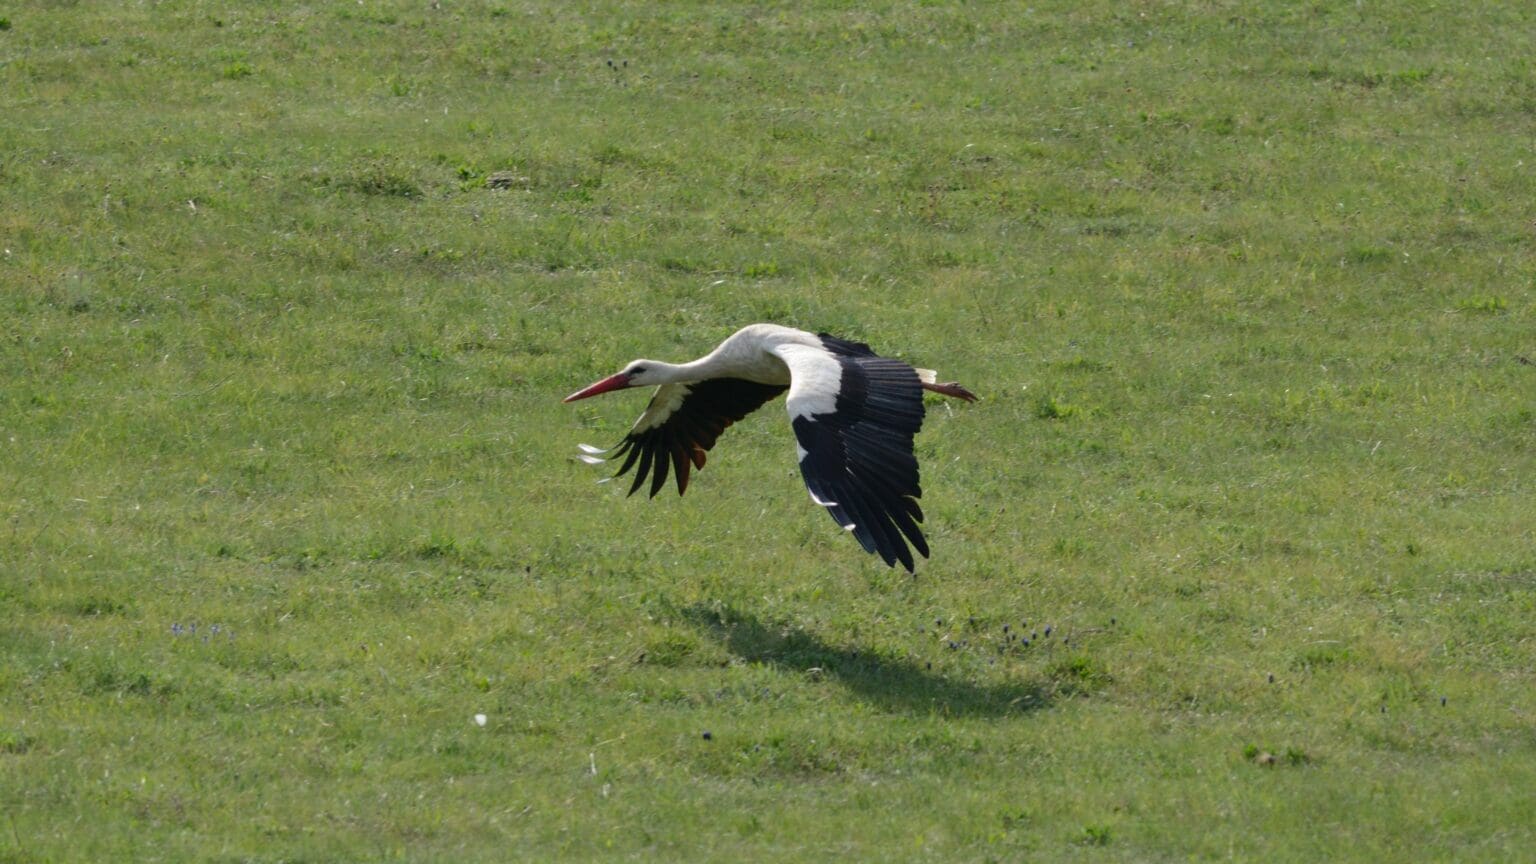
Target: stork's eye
point(637, 370)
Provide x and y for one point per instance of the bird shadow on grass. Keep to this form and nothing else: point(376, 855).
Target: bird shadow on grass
point(890, 683)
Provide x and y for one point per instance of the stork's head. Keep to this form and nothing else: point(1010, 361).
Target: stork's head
point(640, 373)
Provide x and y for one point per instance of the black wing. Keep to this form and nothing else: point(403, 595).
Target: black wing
point(845, 347)
point(858, 460)
point(683, 421)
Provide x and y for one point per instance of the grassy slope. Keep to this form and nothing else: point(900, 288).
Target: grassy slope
point(1245, 290)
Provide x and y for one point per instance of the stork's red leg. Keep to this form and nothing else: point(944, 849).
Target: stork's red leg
point(952, 389)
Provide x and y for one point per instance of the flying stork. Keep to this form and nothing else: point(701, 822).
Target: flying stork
point(854, 414)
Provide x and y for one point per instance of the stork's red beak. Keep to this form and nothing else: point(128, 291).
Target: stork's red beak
point(612, 382)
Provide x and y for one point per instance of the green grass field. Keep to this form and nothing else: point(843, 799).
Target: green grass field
point(291, 294)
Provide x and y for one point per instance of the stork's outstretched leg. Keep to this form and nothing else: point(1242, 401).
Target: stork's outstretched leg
point(930, 381)
point(952, 389)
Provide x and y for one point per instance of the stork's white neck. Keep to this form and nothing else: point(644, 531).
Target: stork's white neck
point(747, 353)
point(659, 372)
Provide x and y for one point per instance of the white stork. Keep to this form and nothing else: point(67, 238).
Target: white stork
point(854, 414)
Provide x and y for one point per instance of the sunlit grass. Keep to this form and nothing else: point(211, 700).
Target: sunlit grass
point(294, 293)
